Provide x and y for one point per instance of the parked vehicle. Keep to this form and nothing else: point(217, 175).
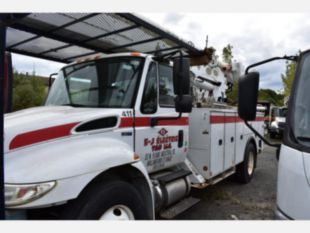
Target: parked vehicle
point(293, 188)
point(277, 121)
point(118, 139)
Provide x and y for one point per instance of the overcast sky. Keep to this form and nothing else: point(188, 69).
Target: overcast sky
point(254, 37)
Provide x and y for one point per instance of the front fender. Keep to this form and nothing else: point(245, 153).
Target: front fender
point(70, 188)
point(71, 157)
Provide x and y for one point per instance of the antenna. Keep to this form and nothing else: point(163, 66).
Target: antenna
point(34, 69)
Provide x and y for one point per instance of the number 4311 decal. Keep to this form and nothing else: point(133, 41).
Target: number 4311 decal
point(127, 113)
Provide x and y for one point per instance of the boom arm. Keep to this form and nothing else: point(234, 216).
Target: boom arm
point(213, 81)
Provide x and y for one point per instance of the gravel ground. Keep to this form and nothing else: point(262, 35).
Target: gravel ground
point(230, 200)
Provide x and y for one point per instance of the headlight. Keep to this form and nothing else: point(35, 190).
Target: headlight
point(17, 194)
point(274, 124)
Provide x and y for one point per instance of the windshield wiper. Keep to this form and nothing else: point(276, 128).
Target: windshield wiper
point(75, 105)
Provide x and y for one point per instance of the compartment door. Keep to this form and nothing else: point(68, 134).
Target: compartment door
point(230, 140)
point(240, 141)
point(217, 143)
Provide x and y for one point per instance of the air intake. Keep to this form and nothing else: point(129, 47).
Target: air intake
point(103, 123)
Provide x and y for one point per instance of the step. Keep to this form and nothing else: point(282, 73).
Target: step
point(173, 176)
point(179, 208)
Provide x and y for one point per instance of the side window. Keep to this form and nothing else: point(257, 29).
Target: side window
point(149, 98)
point(166, 94)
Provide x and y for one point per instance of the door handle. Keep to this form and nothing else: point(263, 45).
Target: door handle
point(181, 137)
point(220, 142)
point(205, 131)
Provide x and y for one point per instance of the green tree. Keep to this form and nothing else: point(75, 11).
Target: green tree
point(271, 96)
point(232, 95)
point(28, 91)
point(288, 76)
point(227, 53)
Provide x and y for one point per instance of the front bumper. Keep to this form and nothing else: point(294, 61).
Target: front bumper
point(278, 131)
point(279, 215)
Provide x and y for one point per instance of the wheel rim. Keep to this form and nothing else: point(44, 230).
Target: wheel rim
point(118, 212)
point(251, 163)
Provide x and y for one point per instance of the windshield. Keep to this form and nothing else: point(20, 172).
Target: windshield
point(109, 83)
point(282, 112)
point(301, 103)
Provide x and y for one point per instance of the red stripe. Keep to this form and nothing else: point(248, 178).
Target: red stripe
point(59, 131)
point(126, 122)
point(41, 135)
point(260, 118)
point(229, 119)
point(146, 121)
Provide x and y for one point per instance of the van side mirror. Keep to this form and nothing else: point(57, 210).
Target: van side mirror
point(181, 76)
point(247, 96)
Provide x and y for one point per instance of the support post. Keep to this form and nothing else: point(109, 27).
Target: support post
point(2, 57)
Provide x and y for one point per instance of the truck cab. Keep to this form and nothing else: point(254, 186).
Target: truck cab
point(103, 115)
point(293, 190)
point(293, 187)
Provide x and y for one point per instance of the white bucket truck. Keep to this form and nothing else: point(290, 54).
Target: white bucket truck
point(119, 138)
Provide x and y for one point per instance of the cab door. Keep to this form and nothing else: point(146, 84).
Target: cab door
point(166, 143)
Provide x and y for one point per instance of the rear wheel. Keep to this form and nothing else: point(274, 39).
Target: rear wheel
point(245, 170)
point(116, 200)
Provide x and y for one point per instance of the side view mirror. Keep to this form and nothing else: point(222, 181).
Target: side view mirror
point(183, 103)
point(247, 96)
point(181, 85)
point(181, 76)
point(50, 80)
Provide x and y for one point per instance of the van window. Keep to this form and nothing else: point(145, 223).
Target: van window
point(301, 105)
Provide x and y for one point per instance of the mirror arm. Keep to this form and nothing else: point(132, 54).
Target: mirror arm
point(260, 136)
point(291, 58)
point(155, 120)
point(50, 81)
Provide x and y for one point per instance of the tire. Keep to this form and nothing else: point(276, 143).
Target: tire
point(272, 135)
point(117, 200)
point(245, 170)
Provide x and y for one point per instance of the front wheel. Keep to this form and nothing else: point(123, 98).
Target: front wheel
point(245, 170)
point(272, 135)
point(116, 200)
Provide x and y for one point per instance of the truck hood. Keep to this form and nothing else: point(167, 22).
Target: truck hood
point(40, 124)
point(280, 119)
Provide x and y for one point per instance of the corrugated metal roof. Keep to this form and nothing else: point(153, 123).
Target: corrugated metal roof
point(63, 37)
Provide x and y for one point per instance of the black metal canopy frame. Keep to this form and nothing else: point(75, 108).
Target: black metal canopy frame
point(2, 52)
point(64, 37)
